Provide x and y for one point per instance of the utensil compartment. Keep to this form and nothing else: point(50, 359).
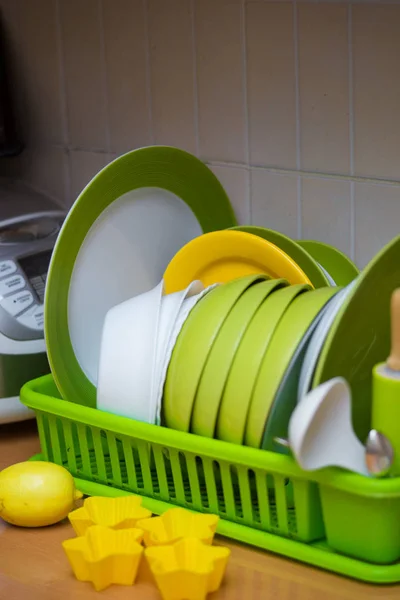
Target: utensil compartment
point(367, 528)
point(263, 498)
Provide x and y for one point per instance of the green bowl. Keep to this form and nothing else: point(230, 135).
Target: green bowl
point(360, 334)
point(231, 423)
point(288, 334)
point(294, 249)
point(193, 346)
point(336, 263)
point(218, 364)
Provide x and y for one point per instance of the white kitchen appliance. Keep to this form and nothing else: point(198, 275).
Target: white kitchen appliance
point(29, 225)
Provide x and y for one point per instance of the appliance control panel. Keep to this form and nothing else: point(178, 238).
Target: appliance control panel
point(26, 246)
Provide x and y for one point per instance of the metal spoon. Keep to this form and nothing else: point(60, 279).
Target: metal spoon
point(379, 454)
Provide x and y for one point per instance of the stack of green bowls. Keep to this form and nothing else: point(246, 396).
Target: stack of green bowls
point(231, 356)
point(234, 370)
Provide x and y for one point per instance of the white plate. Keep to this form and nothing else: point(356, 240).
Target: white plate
point(166, 349)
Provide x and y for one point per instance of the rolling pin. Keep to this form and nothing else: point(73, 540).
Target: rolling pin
point(386, 388)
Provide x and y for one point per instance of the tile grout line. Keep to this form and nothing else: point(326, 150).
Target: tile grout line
point(148, 68)
point(299, 191)
point(298, 131)
point(250, 193)
point(255, 167)
point(63, 104)
point(246, 109)
point(78, 148)
point(350, 83)
point(306, 174)
point(352, 221)
point(297, 84)
point(107, 127)
point(351, 130)
point(195, 77)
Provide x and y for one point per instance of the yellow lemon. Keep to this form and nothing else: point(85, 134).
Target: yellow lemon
point(35, 494)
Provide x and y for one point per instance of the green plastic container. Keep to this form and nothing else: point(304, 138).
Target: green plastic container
point(367, 527)
point(263, 498)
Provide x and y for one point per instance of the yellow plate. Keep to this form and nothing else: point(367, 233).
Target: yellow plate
point(222, 256)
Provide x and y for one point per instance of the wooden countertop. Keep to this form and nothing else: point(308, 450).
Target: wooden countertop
point(33, 565)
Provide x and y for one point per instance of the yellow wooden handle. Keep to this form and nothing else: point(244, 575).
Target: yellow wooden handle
point(393, 362)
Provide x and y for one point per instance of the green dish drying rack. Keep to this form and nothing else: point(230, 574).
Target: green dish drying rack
point(335, 520)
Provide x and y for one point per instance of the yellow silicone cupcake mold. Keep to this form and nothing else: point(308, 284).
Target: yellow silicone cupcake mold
point(188, 569)
point(176, 524)
point(105, 556)
point(116, 513)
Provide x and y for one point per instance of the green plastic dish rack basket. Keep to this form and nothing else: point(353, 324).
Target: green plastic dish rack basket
point(335, 520)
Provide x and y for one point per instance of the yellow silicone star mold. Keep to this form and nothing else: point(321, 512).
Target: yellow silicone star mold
point(117, 513)
point(105, 556)
point(178, 523)
point(188, 569)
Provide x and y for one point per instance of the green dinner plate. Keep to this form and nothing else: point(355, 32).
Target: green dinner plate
point(287, 335)
point(302, 257)
point(193, 346)
point(294, 327)
point(360, 334)
point(216, 369)
point(231, 423)
point(115, 243)
point(336, 263)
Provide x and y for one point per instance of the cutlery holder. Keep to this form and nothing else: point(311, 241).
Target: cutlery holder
point(367, 528)
point(335, 520)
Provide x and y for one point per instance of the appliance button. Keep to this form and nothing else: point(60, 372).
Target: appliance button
point(11, 284)
point(38, 285)
point(17, 302)
point(36, 280)
point(7, 267)
point(33, 318)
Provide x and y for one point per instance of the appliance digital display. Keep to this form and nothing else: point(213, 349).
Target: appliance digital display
point(35, 268)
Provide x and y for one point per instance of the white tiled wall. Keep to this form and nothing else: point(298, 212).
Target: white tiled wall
point(294, 105)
